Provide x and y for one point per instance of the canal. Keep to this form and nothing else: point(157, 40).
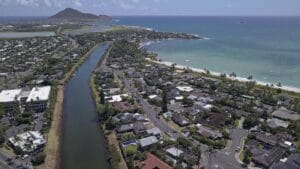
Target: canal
point(83, 144)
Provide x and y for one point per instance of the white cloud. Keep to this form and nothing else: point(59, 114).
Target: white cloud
point(32, 3)
point(48, 3)
point(125, 5)
point(77, 3)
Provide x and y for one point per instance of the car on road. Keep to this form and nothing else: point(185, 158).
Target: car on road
point(237, 148)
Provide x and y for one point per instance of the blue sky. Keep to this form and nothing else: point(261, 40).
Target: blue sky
point(153, 7)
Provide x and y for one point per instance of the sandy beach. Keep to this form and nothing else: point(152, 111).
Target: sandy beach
point(241, 79)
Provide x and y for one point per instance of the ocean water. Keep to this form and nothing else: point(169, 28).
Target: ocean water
point(266, 47)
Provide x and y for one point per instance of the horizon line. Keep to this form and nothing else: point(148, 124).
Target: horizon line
point(166, 15)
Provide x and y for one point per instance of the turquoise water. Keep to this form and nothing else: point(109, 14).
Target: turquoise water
point(266, 47)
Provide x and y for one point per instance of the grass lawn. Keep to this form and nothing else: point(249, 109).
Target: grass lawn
point(131, 149)
point(242, 155)
point(119, 28)
point(298, 145)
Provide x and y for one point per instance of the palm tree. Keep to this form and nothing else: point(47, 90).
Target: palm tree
point(197, 152)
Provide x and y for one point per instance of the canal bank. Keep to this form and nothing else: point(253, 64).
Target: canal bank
point(83, 144)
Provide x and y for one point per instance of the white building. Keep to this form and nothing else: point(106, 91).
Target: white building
point(28, 141)
point(9, 99)
point(174, 152)
point(147, 141)
point(185, 88)
point(38, 98)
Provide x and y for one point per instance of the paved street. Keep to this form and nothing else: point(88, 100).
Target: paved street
point(225, 158)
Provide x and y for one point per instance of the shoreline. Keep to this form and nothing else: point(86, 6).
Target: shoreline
point(53, 145)
point(240, 79)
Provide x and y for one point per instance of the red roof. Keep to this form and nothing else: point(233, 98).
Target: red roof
point(153, 162)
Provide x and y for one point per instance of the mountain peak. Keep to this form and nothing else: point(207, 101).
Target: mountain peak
point(74, 14)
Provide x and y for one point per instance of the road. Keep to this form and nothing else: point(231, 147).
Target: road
point(225, 158)
point(3, 163)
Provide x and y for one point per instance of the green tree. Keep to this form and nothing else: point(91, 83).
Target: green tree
point(247, 156)
point(2, 133)
point(197, 152)
point(2, 111)
point(102, 97)
point(38, 159)
point(164, 105)
point(250, 121)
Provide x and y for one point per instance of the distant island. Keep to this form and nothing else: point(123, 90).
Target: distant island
point(75, 15)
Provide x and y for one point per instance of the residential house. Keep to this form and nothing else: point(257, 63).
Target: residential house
point(153, 162)
point(291, 162)
point(147, 141)
point(154, 132)
point(28, 141)
point(174, 152)
point(180, 119)
point(209, 133)
point(285, 114)
point(274, 123)
point(266, 158)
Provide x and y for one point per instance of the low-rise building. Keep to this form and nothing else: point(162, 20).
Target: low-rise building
point(174, 152)
point(28, 141)
point(9, 99)
point(147, 141)
point(291, 162)
point(180, 119)
point(154, 132)
point(209, 133)
point(285, 114)
point(38, 99)
point(274, 123)
point(152, 162)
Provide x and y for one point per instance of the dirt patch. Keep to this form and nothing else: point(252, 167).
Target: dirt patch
point(52, 149)
point(112, 139)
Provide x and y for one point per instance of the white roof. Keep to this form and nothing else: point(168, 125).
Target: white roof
point(152, 96)
point(207, 106)
point(175, 152)
point(28, 141)
point(154, 131)
point(148, 141)
point(288, 143)
point(185, 88)
point(179, 98)
point(116, 98)
point(39, 94)
point(9, 95)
